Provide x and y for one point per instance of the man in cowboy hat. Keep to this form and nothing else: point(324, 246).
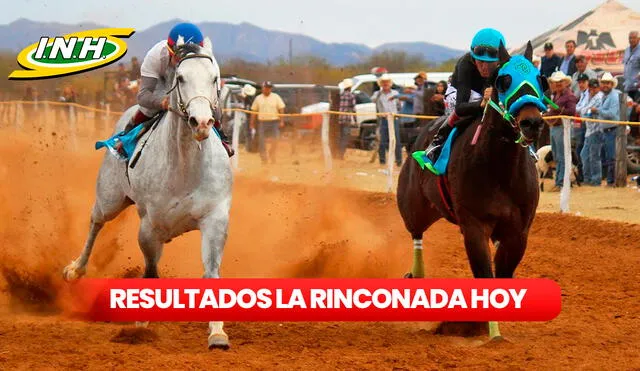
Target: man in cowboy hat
point(609, 110)
point(387, 101)
point(566, 101)
point(347, 105)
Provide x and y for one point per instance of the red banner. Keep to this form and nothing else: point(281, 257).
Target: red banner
point(123, 300)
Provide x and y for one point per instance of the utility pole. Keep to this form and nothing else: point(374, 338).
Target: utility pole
point(290, 52)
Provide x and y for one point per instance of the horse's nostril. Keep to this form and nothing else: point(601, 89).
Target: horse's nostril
point(193, 122)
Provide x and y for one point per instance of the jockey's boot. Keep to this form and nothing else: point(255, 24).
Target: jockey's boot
point(225, 139)
point(433, 151)
point(135, 120)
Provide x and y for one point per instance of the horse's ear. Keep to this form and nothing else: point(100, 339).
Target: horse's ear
point(503, 54)
point(528, 53)
point(180, 41)
point(207, 45)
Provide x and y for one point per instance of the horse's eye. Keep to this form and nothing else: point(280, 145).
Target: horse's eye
point(503, 83)
point(180, 78)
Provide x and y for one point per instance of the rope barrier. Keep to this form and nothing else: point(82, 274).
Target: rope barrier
point(574, 118)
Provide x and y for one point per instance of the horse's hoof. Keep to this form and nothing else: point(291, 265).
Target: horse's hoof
point(497, 341)
point(408, 275)
point(71, 272)
point(142, 324)
point(218, 341)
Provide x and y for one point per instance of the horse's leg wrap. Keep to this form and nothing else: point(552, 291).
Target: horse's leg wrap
point(494, 330)
point(417, 270)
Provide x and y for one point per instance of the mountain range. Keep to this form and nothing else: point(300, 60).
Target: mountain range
point(244, 40)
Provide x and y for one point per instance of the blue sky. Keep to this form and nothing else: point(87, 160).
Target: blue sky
point(371, 22)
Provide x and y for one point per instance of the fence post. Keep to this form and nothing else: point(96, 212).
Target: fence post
point(73, 127)
point(19, 116)
point(235, 138)
point(392, 150)
point(326, 150)
point(621, 145)
point(568, 167)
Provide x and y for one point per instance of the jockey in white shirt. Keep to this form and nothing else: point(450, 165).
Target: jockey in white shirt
point(159, 61)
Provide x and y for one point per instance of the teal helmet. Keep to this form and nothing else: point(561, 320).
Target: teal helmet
point(485, 45)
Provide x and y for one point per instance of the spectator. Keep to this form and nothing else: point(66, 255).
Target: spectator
point(68, 95)
point(408, 98)
point(550, 61)
point(563, 97)
point(609, 110)
point(579, 128)
point(268, 105)
point(30, 94)
point(386, 100)
point(581, 68)
point(568, 65)
point(632, 65)
point(418, 100)
point(536, 61)
point(347, 104)
point(121, 73)
point(436, 103)
point(134, 73)
point(590, 152)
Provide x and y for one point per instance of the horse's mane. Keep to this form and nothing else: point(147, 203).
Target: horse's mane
point(188, 48)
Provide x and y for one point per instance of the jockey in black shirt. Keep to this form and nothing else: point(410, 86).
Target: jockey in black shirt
point(471, 74)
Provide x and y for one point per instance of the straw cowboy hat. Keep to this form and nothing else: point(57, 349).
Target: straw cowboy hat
point(559, 76)
point(346, 83)
point(609, 77)
point(248, 90)
point(384, 77)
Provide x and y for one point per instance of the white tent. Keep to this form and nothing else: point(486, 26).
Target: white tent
point(601, 35)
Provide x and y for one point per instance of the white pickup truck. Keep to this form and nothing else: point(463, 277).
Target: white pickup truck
point(363, 88)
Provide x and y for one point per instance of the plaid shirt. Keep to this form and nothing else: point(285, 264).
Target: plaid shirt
point(347, 104)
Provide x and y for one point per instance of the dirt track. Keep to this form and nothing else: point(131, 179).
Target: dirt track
point(294, 231)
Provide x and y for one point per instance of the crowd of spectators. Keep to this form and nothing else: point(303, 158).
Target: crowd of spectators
point(579, 91)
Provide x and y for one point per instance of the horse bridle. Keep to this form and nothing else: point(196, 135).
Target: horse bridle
point(182, 106)
point(522, 139)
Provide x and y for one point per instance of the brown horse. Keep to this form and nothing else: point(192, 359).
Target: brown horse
point(492, 185)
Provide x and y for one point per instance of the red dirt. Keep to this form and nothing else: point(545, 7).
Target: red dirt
point(292, 231)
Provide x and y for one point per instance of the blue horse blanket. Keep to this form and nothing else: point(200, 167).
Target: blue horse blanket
point(440, 166)
point(129, 141)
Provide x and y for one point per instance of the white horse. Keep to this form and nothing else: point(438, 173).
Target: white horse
point(181, 182)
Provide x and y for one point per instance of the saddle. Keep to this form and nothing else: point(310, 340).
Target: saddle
point(441, 163)
point(129, 139)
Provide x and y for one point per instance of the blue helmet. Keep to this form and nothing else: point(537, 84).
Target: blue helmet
point(190, 34)
point(485, 45)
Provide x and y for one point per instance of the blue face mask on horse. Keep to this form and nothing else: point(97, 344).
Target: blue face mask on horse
point(519, 83)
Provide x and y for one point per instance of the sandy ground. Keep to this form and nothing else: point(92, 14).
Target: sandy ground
point(295, 220)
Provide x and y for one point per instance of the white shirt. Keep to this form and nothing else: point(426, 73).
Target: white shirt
point(386, 102)
point(156, 62)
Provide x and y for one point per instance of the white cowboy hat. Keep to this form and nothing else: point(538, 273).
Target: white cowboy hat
point(559, 76)
point(346, 83)
point(609, 77)
point(409, 85)
point(248, 90)
point(384, 77)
